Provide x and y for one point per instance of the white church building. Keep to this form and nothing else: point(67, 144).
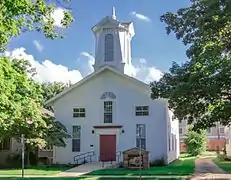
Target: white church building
point(109, 112)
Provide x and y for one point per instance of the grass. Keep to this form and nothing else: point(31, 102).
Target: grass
point(93, 178)
point(206, 153)
point(183, 166)
point(43, 170)
point(223, 164)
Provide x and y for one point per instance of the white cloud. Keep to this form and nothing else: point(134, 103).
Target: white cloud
point(38, 45)
point(57, 15)
point(143, 72)
point(140, 16)
point(89, 59)
point(140, 70)
point(47, 71)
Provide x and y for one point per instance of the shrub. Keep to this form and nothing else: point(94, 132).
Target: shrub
point(14, 160)
point(195, 141)
point(158, 162)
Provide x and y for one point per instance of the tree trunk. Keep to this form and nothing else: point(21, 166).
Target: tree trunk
point(218, 136)
point(28, 156)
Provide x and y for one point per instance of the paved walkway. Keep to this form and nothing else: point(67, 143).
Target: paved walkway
point(206, 169)
point(84, 169)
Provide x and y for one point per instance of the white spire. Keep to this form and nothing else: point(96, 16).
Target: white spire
point(113, 13)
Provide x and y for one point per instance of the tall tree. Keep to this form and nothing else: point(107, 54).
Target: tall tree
point(51, 89)
point(200, 89)
point(20, 16)
point(20, 99)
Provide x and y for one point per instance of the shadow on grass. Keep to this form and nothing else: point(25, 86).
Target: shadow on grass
point(182, 166)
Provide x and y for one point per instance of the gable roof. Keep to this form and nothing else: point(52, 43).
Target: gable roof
point(87, 78)
point(135, 149)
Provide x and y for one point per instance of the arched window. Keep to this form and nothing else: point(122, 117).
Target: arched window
point(110, 95)
point(109, 48)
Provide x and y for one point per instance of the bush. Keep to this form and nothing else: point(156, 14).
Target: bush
point(14, 160)
point(195, 141)
point(158, 162)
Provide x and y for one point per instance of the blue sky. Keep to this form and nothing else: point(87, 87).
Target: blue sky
point(150, 42)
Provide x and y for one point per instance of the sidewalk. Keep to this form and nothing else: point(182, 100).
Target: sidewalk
point(205, 168)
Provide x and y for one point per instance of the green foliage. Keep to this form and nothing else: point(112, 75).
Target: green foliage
point(19, 101)
point(56, 133)
point(195, 141)
point(52, 89)
point(21, 16)
point(200, 89)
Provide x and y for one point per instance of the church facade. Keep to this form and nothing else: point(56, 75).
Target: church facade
point(108, 111)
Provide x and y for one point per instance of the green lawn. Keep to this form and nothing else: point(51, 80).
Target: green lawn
point(223, 164)
point(183, 166)
point(94, 178)
point(49, 170)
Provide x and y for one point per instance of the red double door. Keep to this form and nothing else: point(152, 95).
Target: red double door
point(107, 147)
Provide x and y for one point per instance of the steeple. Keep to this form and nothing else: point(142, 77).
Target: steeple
point(113, 43)
point(113, 13)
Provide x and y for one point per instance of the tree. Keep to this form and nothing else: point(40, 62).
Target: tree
point(200, 89)
point(20, 101)
point(56, 133)
point(52, 89)
point(195, 141)
point(21, 16)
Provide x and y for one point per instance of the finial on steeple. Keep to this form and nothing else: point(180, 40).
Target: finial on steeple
point(113, 13)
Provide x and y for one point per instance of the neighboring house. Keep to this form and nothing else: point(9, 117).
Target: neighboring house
point(216, 136)
point(108, 111)
point(9, 146)
point(228, 141)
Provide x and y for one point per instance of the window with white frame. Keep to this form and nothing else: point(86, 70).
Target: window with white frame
point(79, 112)
point(208, 130)
point(76, 136)
point(142, 110)
point(222, 130)
point(141, 136)
point(180, 130)
point(108, 111)
point(109, 48)
point(169, 142)
point(5, 144)
point(173, 142)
